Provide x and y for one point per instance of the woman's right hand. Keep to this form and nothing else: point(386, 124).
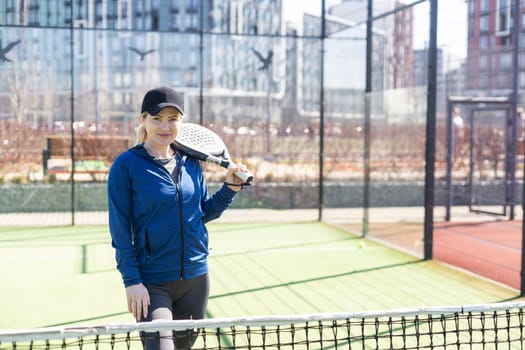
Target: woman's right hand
point(138, 300)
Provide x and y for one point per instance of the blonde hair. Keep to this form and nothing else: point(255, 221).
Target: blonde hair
point(140, 130)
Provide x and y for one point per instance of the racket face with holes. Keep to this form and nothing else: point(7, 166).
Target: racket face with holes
point(200, 139)
point(201, 143)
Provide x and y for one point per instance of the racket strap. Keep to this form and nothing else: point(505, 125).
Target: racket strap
point(242, 186)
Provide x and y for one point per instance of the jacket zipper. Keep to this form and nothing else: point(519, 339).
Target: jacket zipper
point(181, 217)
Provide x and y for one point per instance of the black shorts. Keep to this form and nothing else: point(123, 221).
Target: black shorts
point(177, 300)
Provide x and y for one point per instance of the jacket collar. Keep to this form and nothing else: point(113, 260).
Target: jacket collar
point(140, 151)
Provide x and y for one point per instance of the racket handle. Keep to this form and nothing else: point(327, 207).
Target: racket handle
point(225, 163)
point(245, 177)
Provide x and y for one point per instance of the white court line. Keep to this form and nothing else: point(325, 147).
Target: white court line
point(297, 250)
point(52, 257)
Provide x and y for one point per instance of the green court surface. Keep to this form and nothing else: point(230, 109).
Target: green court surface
point(66, 275)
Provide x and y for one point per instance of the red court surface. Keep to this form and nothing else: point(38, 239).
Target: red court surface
point(489, 248)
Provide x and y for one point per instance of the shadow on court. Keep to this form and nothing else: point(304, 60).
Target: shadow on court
point(255, 269)
point(309, 280)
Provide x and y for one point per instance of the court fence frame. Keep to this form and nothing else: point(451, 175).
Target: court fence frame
point(430, 140)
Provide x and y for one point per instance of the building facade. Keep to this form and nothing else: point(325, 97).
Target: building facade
point(396, 40)
point(108, 52)
point(491, 69)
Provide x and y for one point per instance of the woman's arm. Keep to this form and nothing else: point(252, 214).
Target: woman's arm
point(120, 212)
point(217, 203)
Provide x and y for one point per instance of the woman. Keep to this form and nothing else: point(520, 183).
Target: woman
point(158, 205)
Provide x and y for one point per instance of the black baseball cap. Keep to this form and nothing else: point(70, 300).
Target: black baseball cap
point(162, 97)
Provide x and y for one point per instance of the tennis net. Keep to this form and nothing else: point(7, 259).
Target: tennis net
point(487, 326)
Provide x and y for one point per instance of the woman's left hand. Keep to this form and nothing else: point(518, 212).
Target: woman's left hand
point(233, 181)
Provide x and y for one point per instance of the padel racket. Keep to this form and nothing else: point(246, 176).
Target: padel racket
point(202, 143)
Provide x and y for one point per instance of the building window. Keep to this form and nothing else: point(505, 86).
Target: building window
point(175, 21)
point(192, 58)
point(483, 81)
point(484, 23)
point(33, 16)
point(126, 79)
point(484, 6)
point(117, 82)
point(192, 21)
point(192, 5)
point(98, 14)
point(503, 17)
point(505, 60)
point(117, 99)
point(122, 16)
point(483, 62)
point(483, 42)
point(522, 60)
point(147, 23)
point(189, 78)
point(502, 80)
point(471, 8)
point(522, 80)
point(522, 42)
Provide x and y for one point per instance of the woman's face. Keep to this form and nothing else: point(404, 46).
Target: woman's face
point(162, 129)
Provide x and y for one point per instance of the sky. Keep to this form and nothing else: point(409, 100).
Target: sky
point(293, 10)
point(452, 26)
point(452, 22)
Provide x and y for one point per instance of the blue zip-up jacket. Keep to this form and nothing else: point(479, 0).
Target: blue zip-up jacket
point(157, 223)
